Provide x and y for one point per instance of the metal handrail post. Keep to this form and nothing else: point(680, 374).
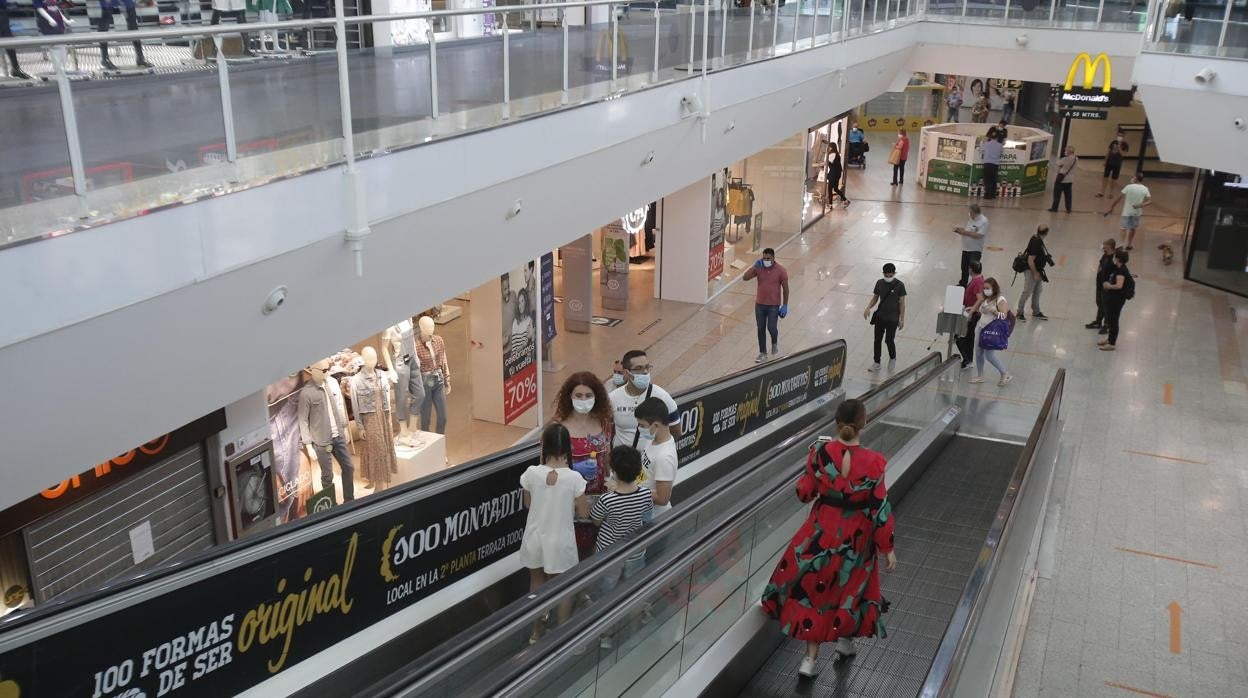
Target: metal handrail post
point(963, 8)
point(1100, 12)
point(563, 21)
point(357, 205)
point(723, 30)
point(506, 69)
point(227, 104)
point(1006, 19)
point(862, 24)
point(433, 72)
point(875, 13)
point(657, 15)
point(615, 44)
point(1226, 23)
point(706, 44)
point(797, 15)
point(749, 43)
point(1052, 13)
point(775, 28)
point(70, 121)
point(693, 31)
point(845, 14)
point(344, 87)
point(814, 23)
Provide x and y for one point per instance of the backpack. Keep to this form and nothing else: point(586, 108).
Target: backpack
point(1020, 263)
point(1128, 284)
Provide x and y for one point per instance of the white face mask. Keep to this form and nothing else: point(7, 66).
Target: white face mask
point(767, 263)
point(987, 293)
point(583, 406)
point(647, 434)
point(890, 279)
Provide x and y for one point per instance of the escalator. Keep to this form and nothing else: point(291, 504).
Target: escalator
point(326, 605)
point(969, 477)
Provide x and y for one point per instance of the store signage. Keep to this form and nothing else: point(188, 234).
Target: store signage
point(549, 331)
point(1093, 114)
point(1088, 95)
point(519, 316)
point(713, 419)
point(110, 472)
point(614, 272)
point(231, 631)
point(1089, 65)
point(719, 216)
point(578, 304)
point(222, 635)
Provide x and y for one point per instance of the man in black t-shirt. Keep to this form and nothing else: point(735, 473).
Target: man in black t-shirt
point(1034, 277)
point(890, 294)
point(1103, 269)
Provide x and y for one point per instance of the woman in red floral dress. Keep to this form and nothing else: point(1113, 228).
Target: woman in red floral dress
point(827, 585)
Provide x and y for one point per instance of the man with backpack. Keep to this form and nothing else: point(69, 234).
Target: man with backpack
point(1119, 289)
point(1034, 260)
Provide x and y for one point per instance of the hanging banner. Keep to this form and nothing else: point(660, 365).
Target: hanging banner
point(548, 297)
point(578, 294)
point(614, 273)
point(719, 202)
point(519, 319)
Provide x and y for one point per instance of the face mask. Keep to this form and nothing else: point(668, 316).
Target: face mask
point(618, 379)
point(890, 279)
point(987, 293)
point(646, 433)
point(767, 263)
point(583, 406)
point(641, 382)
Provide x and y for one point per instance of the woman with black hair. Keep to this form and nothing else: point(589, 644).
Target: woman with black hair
point(826, 586)
point(554, 494)
point(833, 175)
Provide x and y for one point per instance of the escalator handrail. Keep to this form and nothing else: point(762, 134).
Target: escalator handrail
point(953, 648)
point(213, 560)
point(434, 665)
point(588, 627)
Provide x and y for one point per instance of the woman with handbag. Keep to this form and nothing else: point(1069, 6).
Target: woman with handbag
point(993, 336)
point(897, 158)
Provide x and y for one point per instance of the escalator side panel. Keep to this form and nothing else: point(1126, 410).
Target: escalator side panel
point(941, 524)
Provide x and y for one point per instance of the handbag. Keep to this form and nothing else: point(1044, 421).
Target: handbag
point(995, 336)
point(894, 157)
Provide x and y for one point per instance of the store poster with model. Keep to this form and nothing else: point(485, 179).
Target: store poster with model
point(719, 217)
point(290, 466)
point(613, 276)
point(519, 324)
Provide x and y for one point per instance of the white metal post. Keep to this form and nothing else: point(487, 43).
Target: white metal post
point(1100, 12)
point(775, 28)
point(357, 207)
point(875, 12)
point(797, 14)
point(706, 43)
point(1052, 12)
point(433, 72)
point(749, 44)
point(1226, 22)
point(814, 23)
point(693, 31)
point(563, 21)
point(655, 76)
point(227, 106)
point(615, 44)
point(506, 69)
point(862, 24)
point(845, 19)
point(963, 8)
point(1007, 9)
point(71, 125)
point(723, 30)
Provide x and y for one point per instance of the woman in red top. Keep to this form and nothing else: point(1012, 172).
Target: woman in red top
point(826, 586)
point(902, 146)
point(583, 407)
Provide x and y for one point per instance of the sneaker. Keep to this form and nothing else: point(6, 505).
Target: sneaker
point(1005, 380)
point(807, 669)
point(760, 358)
point(892, 364)
point(1052, 210)
point(964, 367)
point(775, 352)
point(1104, 330)
point(1107, 347)
point(845, 647)
point(1040, 316)
point(873, 368)
point(976, 379)
point(1102, 343)
point(1020, 317)
point(1094, 325)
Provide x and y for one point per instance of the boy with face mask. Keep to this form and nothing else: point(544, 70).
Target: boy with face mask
point(658, 453)
point(890, 294)
point(637, 388)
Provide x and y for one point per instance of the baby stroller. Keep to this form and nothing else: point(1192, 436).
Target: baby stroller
point(857, 155)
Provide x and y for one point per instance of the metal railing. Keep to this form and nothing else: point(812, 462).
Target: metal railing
point(1204, 29)
point(141, 142)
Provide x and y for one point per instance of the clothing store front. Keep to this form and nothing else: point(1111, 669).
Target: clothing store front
point(156, 503)
point(1216, 242)
point(826, 154)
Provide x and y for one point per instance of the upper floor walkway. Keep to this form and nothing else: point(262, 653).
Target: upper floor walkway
point(192, 193)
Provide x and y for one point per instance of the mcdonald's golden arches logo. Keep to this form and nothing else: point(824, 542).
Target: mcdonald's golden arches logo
point(1089, 71)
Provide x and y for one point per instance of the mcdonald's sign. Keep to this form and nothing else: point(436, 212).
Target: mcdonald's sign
point(1087, 95)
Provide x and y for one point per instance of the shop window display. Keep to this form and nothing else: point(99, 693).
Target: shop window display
point(1218, 244)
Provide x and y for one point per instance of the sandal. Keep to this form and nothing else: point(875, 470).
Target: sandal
point(976, 379)
point(1005, 380)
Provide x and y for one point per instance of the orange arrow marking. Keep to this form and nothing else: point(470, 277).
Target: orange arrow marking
point(1168, 397)
point(1176, 627)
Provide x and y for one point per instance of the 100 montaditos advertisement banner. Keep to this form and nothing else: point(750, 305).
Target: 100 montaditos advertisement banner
point(226, 633)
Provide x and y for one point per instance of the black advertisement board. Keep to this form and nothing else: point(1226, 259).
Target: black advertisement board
point(223, 634)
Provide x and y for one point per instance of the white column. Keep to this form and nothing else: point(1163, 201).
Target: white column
point(684, 242)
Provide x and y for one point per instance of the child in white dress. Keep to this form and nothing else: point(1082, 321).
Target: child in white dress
point(554, 494)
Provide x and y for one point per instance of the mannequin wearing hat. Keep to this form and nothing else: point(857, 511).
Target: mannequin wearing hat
point(322, 417)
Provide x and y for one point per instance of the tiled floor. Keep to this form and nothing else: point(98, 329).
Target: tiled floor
point(1153, 508)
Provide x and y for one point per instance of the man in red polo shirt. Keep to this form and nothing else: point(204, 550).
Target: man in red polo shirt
point(970, 296)
point(771, 301)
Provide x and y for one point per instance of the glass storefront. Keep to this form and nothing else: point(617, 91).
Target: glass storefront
point(1217, 241)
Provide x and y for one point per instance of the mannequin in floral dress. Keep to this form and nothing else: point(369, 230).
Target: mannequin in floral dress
point(826, 587)
point(370, 402)
point(584, 408)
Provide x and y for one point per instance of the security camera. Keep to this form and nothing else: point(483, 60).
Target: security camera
point(690, 105)
point(1241, 123)
point(1022, 39)
point(1206, 75)
point(275, 300)
point(514, 211)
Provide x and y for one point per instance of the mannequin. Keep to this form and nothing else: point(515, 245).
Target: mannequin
point(15, 69)
point(370, 401)
point(435, 373)
point(132, 23)
point(49, 17)
point(238, 8)
point(322, 417)
point(400, 354)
